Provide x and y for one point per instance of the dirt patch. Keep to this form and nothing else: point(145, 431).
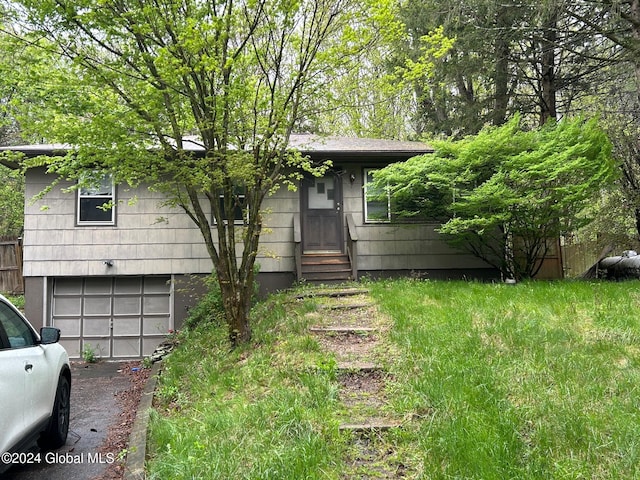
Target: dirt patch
point(350, 346)
point(119, 431)
point(366, 389)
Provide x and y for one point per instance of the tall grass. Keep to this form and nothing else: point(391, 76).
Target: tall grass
point(539, 380)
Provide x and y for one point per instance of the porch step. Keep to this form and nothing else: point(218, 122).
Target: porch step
point(326, 267)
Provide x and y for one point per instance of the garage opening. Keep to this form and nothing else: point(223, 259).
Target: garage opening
point(116, 317)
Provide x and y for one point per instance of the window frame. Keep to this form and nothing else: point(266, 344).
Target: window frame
point(365, 182)
point(84, 192)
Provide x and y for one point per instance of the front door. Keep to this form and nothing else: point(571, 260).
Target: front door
point(321, 214)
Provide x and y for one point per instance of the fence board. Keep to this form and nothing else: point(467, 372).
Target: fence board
point(11, 280)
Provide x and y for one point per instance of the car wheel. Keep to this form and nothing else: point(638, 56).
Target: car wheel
point(56, 434)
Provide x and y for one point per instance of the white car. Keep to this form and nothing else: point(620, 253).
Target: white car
point(35, 385)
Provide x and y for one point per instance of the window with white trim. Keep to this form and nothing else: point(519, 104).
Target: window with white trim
point(377, 201)
point(97, 202)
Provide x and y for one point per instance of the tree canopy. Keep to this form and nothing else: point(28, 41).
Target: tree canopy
point(507, 191)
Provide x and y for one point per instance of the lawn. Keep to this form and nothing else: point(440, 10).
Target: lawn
point(533, 381)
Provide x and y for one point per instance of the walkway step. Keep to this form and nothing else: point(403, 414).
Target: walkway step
point(343, 329)
point(347, 306)
point(371, 425)
point(346, 292)
point(364, 367)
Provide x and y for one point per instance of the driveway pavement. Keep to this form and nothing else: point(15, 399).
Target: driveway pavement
point(94, 408)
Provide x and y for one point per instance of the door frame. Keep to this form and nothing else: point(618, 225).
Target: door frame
point(337, 209)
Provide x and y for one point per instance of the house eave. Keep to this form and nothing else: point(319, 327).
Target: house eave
point(345, 149)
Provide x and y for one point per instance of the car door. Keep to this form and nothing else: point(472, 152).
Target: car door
point(12, 385)
point(25, 379)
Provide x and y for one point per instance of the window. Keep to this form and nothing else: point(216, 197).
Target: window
point(96, 202)
point(240, 199)
point(18, 332)
point(377, 203)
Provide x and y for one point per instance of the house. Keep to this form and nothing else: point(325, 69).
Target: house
point(120, 279)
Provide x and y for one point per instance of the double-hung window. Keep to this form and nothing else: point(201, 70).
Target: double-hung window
point(377, 200)
point(97, 202)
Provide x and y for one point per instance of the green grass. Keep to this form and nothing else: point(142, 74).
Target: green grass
point(534, 381)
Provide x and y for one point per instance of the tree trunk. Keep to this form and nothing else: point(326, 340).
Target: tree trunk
point(635, 55)
point(237, 303)
point(548, 68)
point(501, 78)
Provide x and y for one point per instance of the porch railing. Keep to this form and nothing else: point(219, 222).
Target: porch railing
point(297, 246)
point(352, 245)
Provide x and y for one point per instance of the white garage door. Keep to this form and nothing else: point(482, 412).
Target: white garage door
point(116, 317)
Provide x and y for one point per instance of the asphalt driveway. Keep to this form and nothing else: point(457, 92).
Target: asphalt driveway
point(94, 408)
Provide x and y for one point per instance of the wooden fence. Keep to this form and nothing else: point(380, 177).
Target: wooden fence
point(11, 280)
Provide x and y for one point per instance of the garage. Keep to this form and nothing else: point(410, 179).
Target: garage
point(116, 317)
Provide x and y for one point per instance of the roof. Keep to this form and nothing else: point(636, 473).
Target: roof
point(313, 145)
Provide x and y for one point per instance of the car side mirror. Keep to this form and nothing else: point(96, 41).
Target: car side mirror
point(49, 335)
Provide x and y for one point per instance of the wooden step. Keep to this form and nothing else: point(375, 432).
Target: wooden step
point(336, 276)
point(371, 425)
point(326, 267)
point(363, 367)
point(343, 329)
point(347, 306)
point(339, 292)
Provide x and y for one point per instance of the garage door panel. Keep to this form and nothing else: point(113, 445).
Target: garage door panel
point(156, 304)
point(97, 305)
point(132, 285)
point(126, 347)
point(96, 327)
point(68, 286)
point(97, 286)
point(69, 327)
point(101, 346)
point(67, 306)
point(126, 326)
point(127, 306)
point(155, 326)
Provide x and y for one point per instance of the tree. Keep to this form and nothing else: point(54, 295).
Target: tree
point(619, 23)
point(132, 79)
point(527, 57)
point(11, 202)
point(508, 190)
